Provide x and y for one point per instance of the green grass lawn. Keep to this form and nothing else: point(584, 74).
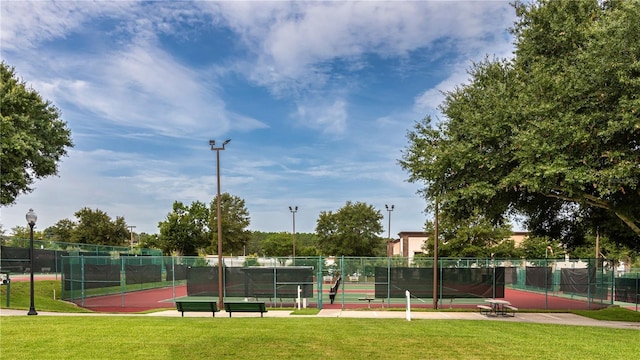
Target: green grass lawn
point(119, 337)
point(297, 337)
point(44, 291)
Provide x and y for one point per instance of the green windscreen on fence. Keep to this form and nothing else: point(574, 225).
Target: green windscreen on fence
point(528, 284)
point(456, 282)
point(251, 282)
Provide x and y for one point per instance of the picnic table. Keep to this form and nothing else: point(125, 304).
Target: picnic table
point(498, 307)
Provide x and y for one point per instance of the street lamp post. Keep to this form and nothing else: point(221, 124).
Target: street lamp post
point(389, 210)
point(220, 287)
point(31, 220)
point(293, 210)
point(436, 240)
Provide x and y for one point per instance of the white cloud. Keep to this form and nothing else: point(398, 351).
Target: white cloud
point(329, 118)
point(25, 24)
point(304, 52)
point(427, 102)
point(294, 44)
point(142, 86)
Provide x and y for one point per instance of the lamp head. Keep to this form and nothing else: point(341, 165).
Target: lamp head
point(31, 217)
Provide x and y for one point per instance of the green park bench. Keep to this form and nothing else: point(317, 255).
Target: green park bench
point(197, 306)
point(254, 306)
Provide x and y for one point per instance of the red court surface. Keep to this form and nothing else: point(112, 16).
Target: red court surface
point(135, 301)
point(143, 300)
point(518, 298)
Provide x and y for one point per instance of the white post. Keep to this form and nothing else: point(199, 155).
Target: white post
point(299, 301)
point(408, 295)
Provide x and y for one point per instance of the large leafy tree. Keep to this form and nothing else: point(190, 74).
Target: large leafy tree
point(553, 134)
point(278, 244)
point(34, 138)
point(542, 247)
point(235, 220)
point(24, 232)
point(306, 243)
point(185, 230)
point(149, 241)
point(97, 227)
point(351, 231)
point(62, 230)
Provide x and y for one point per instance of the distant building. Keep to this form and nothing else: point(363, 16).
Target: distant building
point(409, 243)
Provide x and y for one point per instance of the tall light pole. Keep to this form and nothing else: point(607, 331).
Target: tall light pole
point(436, 240)
point(293, 210)
point(220, 287)
point(389, 210)
point(31, 220)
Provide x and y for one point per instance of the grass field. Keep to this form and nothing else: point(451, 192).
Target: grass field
point(299, 337)
point(118, 337)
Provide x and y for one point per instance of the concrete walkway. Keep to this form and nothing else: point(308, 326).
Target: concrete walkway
point(538, 318)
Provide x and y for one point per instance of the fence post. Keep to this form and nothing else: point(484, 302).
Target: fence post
point(343, 281)
point(319, 281)
point(63, 277)
point(388, 281)
point(546, 284)
point(275, 285)
point(123, 280)
point(589, 285)
point(82, 280)
point(173, 278)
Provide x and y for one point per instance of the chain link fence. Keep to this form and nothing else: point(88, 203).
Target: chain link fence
point(362, 282)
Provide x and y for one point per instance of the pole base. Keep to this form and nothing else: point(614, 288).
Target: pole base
point(32, 311)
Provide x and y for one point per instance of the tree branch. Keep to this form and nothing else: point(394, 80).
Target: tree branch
point(600, 203)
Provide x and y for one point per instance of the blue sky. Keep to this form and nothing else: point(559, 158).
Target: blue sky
point(316, 97)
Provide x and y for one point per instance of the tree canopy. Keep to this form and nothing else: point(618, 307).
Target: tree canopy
point(278, 244)
point(235, 221)
point(552, 134)
point(351, 231)
point(185, 229)
point(472, 237)
point(194, 228)
point(34, 138)
point(97, 227)
point(91, 227)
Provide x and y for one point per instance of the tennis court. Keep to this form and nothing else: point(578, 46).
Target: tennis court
point(129, 284)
